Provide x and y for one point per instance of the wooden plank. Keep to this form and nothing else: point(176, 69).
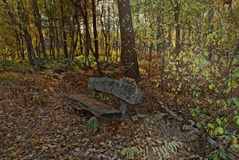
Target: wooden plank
point(97, 108)
point(122, 90)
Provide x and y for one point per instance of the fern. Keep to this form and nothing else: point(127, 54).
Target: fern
point(160, 152)
point(167, 149)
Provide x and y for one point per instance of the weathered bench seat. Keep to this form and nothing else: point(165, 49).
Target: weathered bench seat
point(124, 91)
point(97, 108)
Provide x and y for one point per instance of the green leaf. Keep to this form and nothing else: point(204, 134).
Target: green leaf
point(234, 149)
point(211, 86)
point(199, 125)
point(237, 122)
point(220, 130)
point(205, 54)
point(124, 152)
point(71, 134)
point(235, 101)
point(210, 125)
point(219, 122)
point(92, 124)
point(194, 114)
point(229, 101)
point(229, 89)
point(219, 74)
point(191, 122)
point(223, 154)
point(197, 110)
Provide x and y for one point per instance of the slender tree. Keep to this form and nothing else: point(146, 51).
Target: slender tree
point(96, 52)
point(22, 22)
point(177, 9)
point(51, 33)
point(63, 29)
point(84, 14)
point(38, 23)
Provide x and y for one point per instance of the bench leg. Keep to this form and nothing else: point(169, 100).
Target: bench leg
point(122, 107)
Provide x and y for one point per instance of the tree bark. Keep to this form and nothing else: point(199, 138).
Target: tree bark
point(160, 34)
point(177, 9)
point(64, 35)
point(129, 58)
point(38, 23)
point(210, 31)
point(105, 31)
point(84, 14)
point(96, 52)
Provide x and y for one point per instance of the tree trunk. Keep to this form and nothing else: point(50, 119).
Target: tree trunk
point(129, 58)
point(210, 31)
point(105, 31)
point(28, 40)
point(30, 49)
point(76, 18)
point(20, 42)
point(38, 23)
point(52, 39)
point(177, 28)
point(160, 34)
point(84, 14)
point(64, 36)
point(96, 52)
point(52, 29)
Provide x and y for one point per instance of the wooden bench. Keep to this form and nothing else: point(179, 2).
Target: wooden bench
point(129, 93)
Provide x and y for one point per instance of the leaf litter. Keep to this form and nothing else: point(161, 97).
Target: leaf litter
point(35, 123)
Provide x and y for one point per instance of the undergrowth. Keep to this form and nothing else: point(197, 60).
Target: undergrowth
point(153, 152)
point(206, 92)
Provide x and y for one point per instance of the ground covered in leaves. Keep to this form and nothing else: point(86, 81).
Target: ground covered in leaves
point(35, 123)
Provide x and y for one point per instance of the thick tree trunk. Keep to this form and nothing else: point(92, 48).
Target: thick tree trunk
point(128, 52)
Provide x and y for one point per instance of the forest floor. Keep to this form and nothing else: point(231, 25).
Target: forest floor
point(35, 123)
